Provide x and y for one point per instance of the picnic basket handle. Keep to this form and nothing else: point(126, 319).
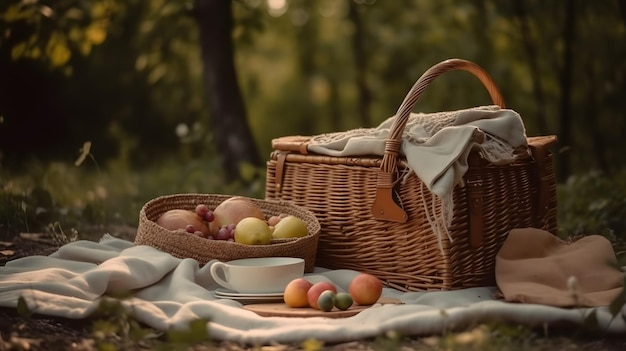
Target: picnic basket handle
point(385, 207)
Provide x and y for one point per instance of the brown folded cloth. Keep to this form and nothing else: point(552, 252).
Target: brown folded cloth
point(534, 266)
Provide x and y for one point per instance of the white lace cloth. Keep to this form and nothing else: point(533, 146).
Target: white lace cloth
point(169, 293)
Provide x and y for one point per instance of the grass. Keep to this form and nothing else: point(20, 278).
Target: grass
point(594, 203)
point(64, 197)
point(73, 201)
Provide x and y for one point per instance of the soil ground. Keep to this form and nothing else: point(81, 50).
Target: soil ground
point(19, 332)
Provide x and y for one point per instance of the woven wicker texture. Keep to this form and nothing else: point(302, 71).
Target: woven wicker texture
point(183, 245)
point(341, 192)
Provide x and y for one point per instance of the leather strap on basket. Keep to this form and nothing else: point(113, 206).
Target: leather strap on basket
point(539, 147)
point(384, 207)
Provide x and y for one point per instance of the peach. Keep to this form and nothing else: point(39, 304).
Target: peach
point(234, 209)
point(179, 219)
point(295, 294)
point(365, 289)
point(316, 290)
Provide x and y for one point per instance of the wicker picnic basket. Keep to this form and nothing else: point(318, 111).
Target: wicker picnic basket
point(184, 245)
point(374, 222)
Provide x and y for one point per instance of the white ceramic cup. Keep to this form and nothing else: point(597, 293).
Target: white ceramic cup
point(258, 275)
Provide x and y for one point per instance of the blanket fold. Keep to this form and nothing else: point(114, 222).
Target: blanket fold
point(168, 293)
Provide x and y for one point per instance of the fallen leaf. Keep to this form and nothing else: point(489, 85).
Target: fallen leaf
point(6, 243)
point(7, 252)
point(36, 237)
point(30, 236)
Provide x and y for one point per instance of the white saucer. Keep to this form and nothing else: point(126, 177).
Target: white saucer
point(251, 299)
point(248, 298)
point(233, 294)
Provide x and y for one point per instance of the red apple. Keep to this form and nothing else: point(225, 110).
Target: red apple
point(365, 289)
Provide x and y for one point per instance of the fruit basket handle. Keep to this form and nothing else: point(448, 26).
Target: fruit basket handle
point(384, 206)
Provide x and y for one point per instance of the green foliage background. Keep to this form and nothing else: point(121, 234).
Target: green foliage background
point(127, 76)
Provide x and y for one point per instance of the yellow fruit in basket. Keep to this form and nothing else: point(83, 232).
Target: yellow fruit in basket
point(253, 231)
point(290, 227)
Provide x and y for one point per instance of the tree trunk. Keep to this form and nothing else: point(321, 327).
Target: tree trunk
point(622, 9)
point(334, 105)
point(593, 128)
point(565, 127)
point(233, 138)
point(483, 36)
point(360, 63)
point(306, 48)
point(531, 54)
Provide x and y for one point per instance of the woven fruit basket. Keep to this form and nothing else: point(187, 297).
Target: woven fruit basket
point(181, 244)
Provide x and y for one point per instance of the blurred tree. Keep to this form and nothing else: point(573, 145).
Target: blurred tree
point(529, 42)
point(39, 43)
point(233, 138)
point(149, 90)
point(565, 79)
point(360, 62)
point(54, 32)
point(306, 32)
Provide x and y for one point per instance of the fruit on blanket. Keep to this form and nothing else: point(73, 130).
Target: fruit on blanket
point(314, 292)
point(326, 300)
point(343, 301)
point(290, 227)
point(295, 294)
point(365, 289)
point(234, 209)
point(253, 231)
point(181, 219)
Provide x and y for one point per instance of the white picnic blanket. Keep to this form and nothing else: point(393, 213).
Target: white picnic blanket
point(169, 293)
